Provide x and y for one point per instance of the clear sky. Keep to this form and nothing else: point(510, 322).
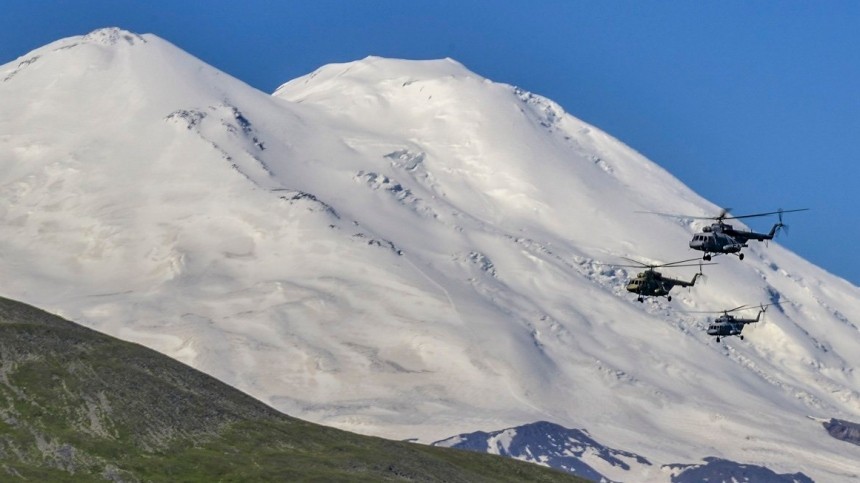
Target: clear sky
point(753, 104)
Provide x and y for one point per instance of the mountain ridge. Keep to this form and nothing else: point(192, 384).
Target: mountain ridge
point(576, 452)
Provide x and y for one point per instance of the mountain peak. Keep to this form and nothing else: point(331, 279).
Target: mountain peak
point(75, 56)
point(113, 36)
point(113, 67)
point(373, 72)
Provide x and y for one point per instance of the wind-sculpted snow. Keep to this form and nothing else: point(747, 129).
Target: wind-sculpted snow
point(21, 65)
point(403, 195)
point(314, 204)
point(229, 128)
point(548, 113)
point(407, 160)
point(482, 262)
point(407, 249)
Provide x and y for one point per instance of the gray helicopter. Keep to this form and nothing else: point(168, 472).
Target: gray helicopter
point(720, 237)
point(727, 325)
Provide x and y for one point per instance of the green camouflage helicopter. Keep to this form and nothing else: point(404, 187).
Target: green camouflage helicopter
point(651, 283)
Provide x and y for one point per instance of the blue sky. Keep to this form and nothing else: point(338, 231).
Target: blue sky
point(754, 105)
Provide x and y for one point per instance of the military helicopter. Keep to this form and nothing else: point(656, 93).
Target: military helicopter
point(652, 283)
point(727, 325)
point(720, 237)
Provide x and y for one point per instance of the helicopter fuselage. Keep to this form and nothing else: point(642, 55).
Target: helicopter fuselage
point(652, 283)
point(725, 328)
point(722, 238)
point(728, 325)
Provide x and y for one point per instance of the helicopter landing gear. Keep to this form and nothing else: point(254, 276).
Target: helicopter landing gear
point(741, 256)
point(706, 258)
point(742, 337)
point(718, 339)
point(641, 299)
point(669, 298)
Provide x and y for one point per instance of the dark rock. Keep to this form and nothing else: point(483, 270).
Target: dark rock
point(719, 470)
point(843, 430)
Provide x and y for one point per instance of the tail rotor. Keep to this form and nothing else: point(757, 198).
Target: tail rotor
point(702, 277)
point(782, 226)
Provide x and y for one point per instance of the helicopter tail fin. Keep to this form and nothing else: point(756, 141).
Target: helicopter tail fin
point(779, 226)
point(762, 309)
point(699, 276)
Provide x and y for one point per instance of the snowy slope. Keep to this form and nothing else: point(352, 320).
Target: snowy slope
point(406, 249)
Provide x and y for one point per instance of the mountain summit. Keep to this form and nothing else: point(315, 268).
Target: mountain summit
point(406, 249)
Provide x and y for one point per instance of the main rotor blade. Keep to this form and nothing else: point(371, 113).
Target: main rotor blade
point(675, 215)
point(738, 308)
point(742, 307)
point(708, 311)
point(670, 215)
point(780, 212)
point(688, 265)
point(637, 262)
point(680, 261)
point(666, 265)
point(724, 214)
point(762, 307)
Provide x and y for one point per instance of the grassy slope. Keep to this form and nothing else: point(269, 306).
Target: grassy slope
point(79, 405)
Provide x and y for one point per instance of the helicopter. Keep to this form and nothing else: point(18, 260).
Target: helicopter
point(652, 283)
point(727, 325)
point(722, 238)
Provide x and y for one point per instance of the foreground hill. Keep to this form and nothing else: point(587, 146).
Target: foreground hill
point(77, 403)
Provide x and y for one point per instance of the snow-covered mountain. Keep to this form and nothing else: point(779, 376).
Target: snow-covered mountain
point(406, 249)
point(574, 451)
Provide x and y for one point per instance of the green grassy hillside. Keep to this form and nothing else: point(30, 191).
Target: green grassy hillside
point(77, 405)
